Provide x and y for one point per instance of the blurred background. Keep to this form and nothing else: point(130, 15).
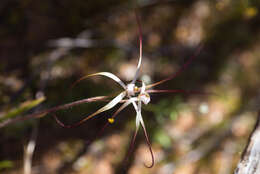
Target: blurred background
point(46, 45)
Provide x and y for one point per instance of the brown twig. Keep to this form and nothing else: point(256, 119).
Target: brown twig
point(250, 160)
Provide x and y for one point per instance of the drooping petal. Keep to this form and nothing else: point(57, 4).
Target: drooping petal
point(138, 114)
point(108, 106)
point(136, 130)
point(107, 74)
point(140, 119)
point(148, 144)
point(139, 106)
point(137, 120)
point(135, 106)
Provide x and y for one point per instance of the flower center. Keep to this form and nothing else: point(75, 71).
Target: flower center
point(144, 97)
point(130, 89)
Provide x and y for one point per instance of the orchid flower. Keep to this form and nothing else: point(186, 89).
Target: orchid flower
point(132, 94)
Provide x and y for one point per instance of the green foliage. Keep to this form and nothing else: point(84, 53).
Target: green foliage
point(166, 108)
point(6, 164)
point(163, 138)
point(22, 108)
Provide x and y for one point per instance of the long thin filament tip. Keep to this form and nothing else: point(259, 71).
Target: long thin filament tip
point(150, 149)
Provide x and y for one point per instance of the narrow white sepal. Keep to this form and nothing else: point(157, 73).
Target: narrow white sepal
point(112, 103)
point(110, 75)
point(137, 69)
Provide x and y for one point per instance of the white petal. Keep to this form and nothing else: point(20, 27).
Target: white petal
point(135, 106)
point(125, 105)
point(107, 74)
point(137, 119)
point(108, 106)
point(139, 105)
point(113, 102)
point(137, 70)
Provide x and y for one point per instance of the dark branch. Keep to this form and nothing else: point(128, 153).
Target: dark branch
point(250, 161)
